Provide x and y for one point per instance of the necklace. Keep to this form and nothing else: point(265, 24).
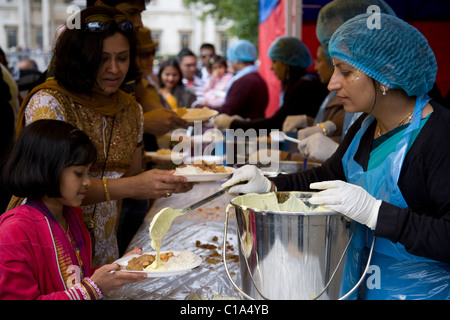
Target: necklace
point(405, 120)
point(91, 222)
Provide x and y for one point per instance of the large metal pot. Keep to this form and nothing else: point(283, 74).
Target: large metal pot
point(290, 255)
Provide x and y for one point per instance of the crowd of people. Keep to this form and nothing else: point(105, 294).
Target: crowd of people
point(73, 168)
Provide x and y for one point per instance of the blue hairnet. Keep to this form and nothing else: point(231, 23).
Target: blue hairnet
point(396, 55)
point(336, 12)
point(290, 51)
point(242, 51)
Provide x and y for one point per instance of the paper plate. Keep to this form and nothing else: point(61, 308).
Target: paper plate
point(191, 115)
point(200, 177)
point(158, 274)
point(209, 159)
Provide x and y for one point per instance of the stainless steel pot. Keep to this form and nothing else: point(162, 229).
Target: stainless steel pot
point(289, 255)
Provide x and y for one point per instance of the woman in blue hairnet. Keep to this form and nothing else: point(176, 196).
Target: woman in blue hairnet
point(301, 93)
point(320, 141)
point(390, 173)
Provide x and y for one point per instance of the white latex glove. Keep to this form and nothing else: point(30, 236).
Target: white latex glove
point(328, 125)
point(257, 183)
point(223, 121)
point(317, 146)
point(349, 199)
point(292, 123)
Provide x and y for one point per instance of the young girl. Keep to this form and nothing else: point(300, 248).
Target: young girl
point(45, 249)
point(172, 87)
point(214, 94)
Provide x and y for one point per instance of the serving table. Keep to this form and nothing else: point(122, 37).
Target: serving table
point(199, 231)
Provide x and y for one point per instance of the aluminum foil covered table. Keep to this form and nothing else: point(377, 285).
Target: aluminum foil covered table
point(200, 231)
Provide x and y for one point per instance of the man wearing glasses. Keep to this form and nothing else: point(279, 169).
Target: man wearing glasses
point(188, 65)
point(207, 52)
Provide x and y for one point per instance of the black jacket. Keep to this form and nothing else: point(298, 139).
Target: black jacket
point(304, 97)
point(424, 227)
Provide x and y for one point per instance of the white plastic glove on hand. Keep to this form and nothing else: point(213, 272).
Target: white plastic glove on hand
point(292, 123)
point(257, 183)
point(317, 146)
point(223, 121)
point(328, 125)
point(349, 199)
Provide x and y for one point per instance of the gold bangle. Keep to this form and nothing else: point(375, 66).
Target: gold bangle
point(323, 129)
point(108, 198)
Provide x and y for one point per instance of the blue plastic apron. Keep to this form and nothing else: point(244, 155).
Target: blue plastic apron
point(396, 274)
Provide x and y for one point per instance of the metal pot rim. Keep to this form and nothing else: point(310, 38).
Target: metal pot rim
point(307, 194)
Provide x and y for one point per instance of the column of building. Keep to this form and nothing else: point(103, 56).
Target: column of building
point(47, 35)
point(24, 36)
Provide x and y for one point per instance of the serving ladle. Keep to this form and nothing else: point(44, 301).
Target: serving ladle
point(281, 136)
point(162, 221)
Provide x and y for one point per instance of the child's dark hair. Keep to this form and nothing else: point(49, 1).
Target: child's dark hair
point(42, 151)
point(219, 59)
point(185, 52)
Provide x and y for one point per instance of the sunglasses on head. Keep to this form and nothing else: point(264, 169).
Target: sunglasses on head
point(100, 22)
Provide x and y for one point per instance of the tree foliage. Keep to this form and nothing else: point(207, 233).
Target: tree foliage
point(243, 13)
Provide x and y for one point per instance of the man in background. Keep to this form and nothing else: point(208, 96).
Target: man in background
point(207, 52)
point(188, 65)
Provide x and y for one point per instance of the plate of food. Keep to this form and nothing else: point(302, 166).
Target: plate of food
point(196, 114)
point(175, 263)
point(203, 171)
point(166, 155)
point(208, 159)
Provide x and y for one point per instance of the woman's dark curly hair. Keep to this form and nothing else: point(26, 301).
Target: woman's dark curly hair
point(78, 52)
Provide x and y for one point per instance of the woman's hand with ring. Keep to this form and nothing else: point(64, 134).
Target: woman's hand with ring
point(154, 184)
